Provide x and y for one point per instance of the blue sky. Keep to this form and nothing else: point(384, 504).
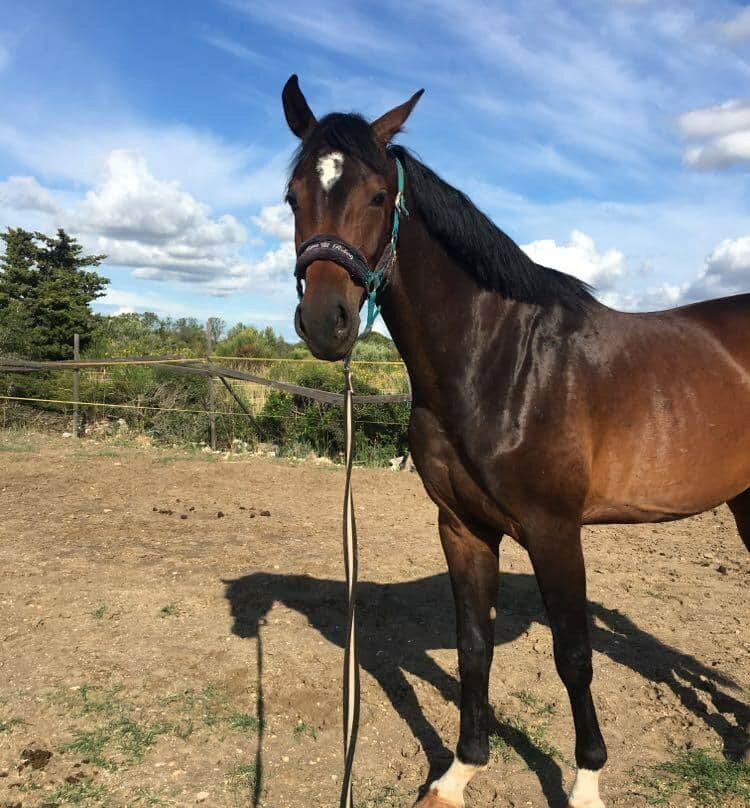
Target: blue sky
point(610, 139)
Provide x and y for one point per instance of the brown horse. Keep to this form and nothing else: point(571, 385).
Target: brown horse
point(536, 409)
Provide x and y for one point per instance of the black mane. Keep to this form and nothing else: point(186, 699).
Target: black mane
point(467, 234)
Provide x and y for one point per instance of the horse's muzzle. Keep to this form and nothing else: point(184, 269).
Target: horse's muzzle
point(329, 330)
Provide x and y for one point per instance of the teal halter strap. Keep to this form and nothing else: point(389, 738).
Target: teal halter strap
point(377, 278)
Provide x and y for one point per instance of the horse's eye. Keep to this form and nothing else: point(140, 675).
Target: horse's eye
point(379, 199)
point(291, 200)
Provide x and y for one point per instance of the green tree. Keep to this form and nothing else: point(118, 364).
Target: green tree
point(246, 340)
point(45, 292)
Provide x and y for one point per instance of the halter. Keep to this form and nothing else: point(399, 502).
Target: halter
point(333, 248)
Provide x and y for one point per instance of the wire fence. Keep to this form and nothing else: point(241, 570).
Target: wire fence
point(242, 395)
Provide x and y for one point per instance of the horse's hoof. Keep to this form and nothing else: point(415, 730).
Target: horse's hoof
point(432, 800)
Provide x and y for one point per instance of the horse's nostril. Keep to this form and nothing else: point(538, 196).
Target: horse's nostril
point(298, 323)
point(342, 321)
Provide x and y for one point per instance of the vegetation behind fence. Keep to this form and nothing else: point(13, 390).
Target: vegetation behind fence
point(47, 285)
point(152, 400)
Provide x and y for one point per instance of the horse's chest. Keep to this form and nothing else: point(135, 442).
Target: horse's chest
point(460, 477)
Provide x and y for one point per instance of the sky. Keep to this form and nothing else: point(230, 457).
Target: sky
point(611, 139)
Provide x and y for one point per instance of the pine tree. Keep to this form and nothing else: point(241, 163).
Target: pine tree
point(45, 292)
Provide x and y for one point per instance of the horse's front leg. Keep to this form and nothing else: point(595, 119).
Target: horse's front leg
point(557, 557)
point(474, 572)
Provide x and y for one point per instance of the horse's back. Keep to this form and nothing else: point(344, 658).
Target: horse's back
point(727, 320)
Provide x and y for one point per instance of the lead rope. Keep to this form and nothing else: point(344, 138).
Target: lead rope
point(375, 281)
point(351, 659)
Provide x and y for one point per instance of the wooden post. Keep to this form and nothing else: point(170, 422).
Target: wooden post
point(76, 387)
point(211, 404)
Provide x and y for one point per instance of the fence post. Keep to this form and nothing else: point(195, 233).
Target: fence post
point(76, 387)
point(211, 406)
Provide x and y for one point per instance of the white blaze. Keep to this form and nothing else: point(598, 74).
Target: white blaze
point(330, 167)
point(585, 793)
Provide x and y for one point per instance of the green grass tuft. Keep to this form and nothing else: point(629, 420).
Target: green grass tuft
point(386, 796)
point(136, 739)
point(90, 744)
point(244, 722)
point(709, 779)
point(80, 793)
point(499, 749)
point(17, 448)
point(5, 726)
point(170, 610)
point(303, 729)
point(533, 702)
point(243, 780)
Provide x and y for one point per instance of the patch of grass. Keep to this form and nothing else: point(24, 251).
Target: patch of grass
point(243, 780)
point(123, 735)
point(533, 702)
point(182, 731)
point(244, 722)
point(136, 739)
point(499, 749)
point(145, 796)
point(5, 726)
point(170, 610)
point(709, 779)
point(18, 448)
point(92, 699)
point(118, 739)
point(90, 744)
point(210, 702)
point(167, 460)
point(303, 729)
point(656, 595)
point(516, 733)
point(385, 796)
point(82, 793)
point(99, 612)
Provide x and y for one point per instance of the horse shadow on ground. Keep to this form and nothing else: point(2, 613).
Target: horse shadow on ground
point(400, 622)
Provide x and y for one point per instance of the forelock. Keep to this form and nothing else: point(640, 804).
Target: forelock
point(347, 133)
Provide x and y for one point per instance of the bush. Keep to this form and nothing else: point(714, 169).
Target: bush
point(298, 424)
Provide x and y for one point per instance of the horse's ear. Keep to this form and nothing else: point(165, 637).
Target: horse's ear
point(299, 116)
point(389, 124)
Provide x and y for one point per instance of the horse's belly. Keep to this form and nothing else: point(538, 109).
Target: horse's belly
point(671, 475)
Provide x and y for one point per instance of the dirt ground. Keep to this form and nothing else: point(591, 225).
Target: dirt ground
point(172, 626)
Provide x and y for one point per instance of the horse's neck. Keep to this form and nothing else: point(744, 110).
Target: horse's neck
point(442, 323)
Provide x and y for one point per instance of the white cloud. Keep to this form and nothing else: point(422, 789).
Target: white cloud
point(579, 257)
point(737, 28)
point(721, 152)
point(131, 204)
point(731, 116)
point(159, 231)
point(208, 167)
point(726, 271)
point(25, 193)
point(276, 220)
point(120, 301)
point(662, 296)
point(725, 130)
